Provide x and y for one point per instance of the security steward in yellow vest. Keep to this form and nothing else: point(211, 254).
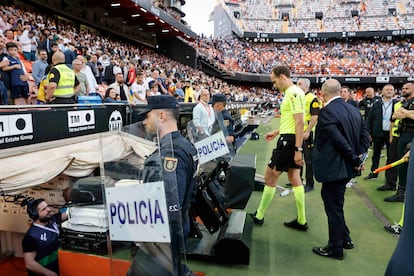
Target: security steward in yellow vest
point(391, 175)
point(406, 114)
point(311, 116)
point(63, 83)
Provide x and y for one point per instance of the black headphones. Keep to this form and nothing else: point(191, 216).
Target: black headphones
point(32, 208)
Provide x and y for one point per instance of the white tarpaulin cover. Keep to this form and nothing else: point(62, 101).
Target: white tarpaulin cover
point(27, 166)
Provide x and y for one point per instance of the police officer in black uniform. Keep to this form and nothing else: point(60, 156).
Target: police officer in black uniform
point(218, 103)
point(179, 161)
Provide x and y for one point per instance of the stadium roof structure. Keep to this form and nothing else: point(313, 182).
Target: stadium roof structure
point(145, 17)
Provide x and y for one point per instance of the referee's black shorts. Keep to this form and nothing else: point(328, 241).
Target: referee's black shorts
point(284, 153)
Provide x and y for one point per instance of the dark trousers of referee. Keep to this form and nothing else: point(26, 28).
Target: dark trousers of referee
point(333, 198)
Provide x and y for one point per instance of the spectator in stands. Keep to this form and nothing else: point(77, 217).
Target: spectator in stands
point(109, 76)
point(131, 74)
point(83, 82)
point(196, 91)
point(110, 95)
point(378, 123)
point(39, 66)
point(366, 103)
point(89, 75)
point(29, 44)
point(91, 65)
point(62, 82)
point(179, 92)
point(4, 75)
point(188, 92)
point(346, 96)
point(8, 34)
point(99, 69)
point(4, 25)
point(139, 89)
point(18, 76)
point(203, 115)
point(53, 49)
point(41, 92)
point(153, 89)
point(69, 54)
point(120, 87)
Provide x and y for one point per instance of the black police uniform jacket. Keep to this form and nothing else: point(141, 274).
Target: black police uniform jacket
point(179, 162)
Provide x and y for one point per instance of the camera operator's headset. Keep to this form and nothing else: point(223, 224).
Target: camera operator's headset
point(32, 208)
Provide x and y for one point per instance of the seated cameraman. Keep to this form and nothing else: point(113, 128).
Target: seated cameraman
point(41, 241)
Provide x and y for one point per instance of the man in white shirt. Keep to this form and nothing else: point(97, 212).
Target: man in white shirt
point(120, 87)
point(139, 89)
point(203, 114)
point(26, 40)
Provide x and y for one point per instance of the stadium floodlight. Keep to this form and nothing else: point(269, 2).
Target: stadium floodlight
point(115, 4)
point(162, 21)
point(135, 15)
point(165, 31)
point(142, 9)
point(150, 23)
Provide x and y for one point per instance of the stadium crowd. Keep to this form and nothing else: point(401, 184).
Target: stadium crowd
point(102, 58)
point(39, 36)
point(334, 16)
point(360, 58)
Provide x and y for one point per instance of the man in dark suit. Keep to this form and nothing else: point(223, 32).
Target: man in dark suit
point(346, 95)
point(341, 137)
point(378, 124)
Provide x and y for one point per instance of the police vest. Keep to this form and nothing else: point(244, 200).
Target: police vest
point(66, 83)
point(394, 130)
point(309, 97)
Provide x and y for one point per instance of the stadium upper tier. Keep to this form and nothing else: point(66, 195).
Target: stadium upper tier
point(287, 16)
point(359, 58)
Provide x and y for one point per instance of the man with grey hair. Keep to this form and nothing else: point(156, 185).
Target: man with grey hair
point(378, 123)
point(311, 116)
point(340, 138)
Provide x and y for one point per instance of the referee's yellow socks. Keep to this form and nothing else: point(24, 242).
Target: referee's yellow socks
point(401, 222)
point(267, 196)
point(299, 192)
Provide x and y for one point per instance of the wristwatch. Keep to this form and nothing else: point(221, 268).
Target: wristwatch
point(298, 149)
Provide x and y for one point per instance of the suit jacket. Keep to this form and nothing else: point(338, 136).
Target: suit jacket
point(374, 119)
point(340, 137)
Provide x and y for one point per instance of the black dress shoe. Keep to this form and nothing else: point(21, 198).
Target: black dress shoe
point(348, 245)
point(296, 225)
point(309, 188)
point(326, 252)
point(256, 220)
point(394, 198)
point(385, 188)
point(371, 176)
